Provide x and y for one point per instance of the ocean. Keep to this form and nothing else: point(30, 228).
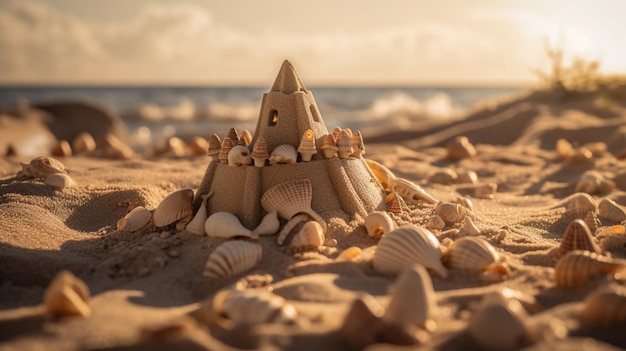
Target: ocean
point(153, 113)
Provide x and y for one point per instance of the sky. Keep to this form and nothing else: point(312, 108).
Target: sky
point(330, 42)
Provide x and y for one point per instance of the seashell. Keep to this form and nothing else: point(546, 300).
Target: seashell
point(269, 224)
point(407, 245)
point(350, 254)
point(605, 307)
point(591, 219)
point(612, 230)
point(410, 191)
point(474, 254)
point(198, 145)
point(505, 295)
point(215, 146)
point(378, 223)
point(83, 143)
point(67, 295)
point(395, 203)
point(196, 225)
point(611, 211)
point(307, 149)
point(444, 176)
point(239, 156)
point(283, 154)
point(227, 145)
point(254, 306)
point(134, 220)
point(60, 181)
point(579, 204)
point(232, 258)
point(310, 237)
point(499, 326)
point(291, 224)
point(577, 236)
point(468, 227)
point(329, 146)
point(61, 149)
point(245, 138)
point(465, 202)
point(460, 148)
point(466, 177)
point(233, 135)
point(335, 132)
point(344, 146)
point(435, 222)
point(449, 212)
point(582, 154)
point(614, 242)
point(413, 299)
point(576, 268)
point(226, 225)
point(597, 149)
point(113, 147)
point(348, 131)
point(485, 191)
point(291, 198)
point(173, 208)
point(43, 166)
point(172, 147)
point(592, 182)
point(564, 149)
point(259, 152)
point(357, 144)
point(382, 173)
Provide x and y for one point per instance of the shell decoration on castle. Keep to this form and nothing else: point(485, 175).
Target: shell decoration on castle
point(578, 268)
point(245, 138)
point(410, 191)
point(134, 220)
point(253, 306)
point(197, 223)
point(269, 224)
point(307, 148)
point(175, 207)
point(239, 156)
point(227, 145)
point(357, 144)
point(283, 154)
point(577, 236)
point(329, 146)
point(344, 144)
point(309, 237)
point(378, 223)
point(475, 254)
point(260, 153)
point(226, 225)
point(215, 145)
point(67, 295)
point(232, 258)
point(233, 135)
point(408, 245)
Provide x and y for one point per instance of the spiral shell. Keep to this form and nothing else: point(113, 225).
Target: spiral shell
point(291, 198)
point(329, 146)
point(611, 211)
point(196, 226)
point(378, 223)
point(408, 245)
point(605, 307)
point(310, 237)
point(307, 149)
point(136, 219)
point(67, 295)
point(215, 146)
point(382, 173)
point(173, 208)
point(233, 135)
point(410, 191)
point(283, 154)
point(499, 325)
point(83, 143)
point(576, 268)
point(254, 306)
point(344, 146)
point(232, 258)
point(460, 148)
point(259, 152)
point(227, 145)
point(269, 224)
point(239, 156)
point(450, 212)
point(226, 225)
point(357, 144)
point(577, 236)
point(60, 181)
point(474, 254)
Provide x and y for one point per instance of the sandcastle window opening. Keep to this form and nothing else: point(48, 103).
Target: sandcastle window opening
point(273, 120)
point(314, 113)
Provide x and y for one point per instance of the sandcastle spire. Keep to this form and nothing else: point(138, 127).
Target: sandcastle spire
point(288, 80)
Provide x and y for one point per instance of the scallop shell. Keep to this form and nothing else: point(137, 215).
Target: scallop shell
point(605, 307)
point(283, 154)
point(269, 224)
point(471, 253)
point(410, 191)
point(226, 225)
point(254, 306)
point(239, 156)
point(232, 258)
point(564, 149)
point(60, 180)
point(444, 176)
point(378, 223)
point(215, 146)
point(576, 268)
point(450, 212)
point(136, 219)
point(227, 145)
point(466, 177)
point(611, 211)
point(41, 167)
point(174, 207)
point(83, 143)
point(291, 198)
point(196, 226)
point(577, 236)
point(382, 173)
point(233, 135)
point(67, 295)
point(413, 299)
point(408, 245)
point(259, 152)
point(592, 221)
point(357, 144)
point(61, 149)
point(310, 237)
point(307, 149)
point(435, 222)
point(579, 204)
point(460, 148)
point(468, 227)
point(499, 326)
point(329, 146)
point(245, 138)
point(344, 146)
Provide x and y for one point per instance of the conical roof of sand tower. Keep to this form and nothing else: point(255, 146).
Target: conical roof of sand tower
point(288, 80)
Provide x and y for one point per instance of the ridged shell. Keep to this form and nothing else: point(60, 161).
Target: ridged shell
point(450, 212)
point(329, 146)
point(395, 203)
point(309, 237)
point(579, 204)
point(259, 152)
point(357, 144)
point(460, 148)
point(468, 227)
point(233, 135)
point(577, 236)
point(254, 306)
point(344, 146)
point(576, 268)
point(307, 148)
point(196, 226)
point(61, 149)
point(408, 245)
point(232, 258)
point(592, 221)
point(245, 138)
point(605, 307)
point(60, 180)
point(499, 326)
point(378, 223)
point(215, 146)
point(41, 167)
point(611, 211)
point(226, 225)
point(136, 219)
point(67, 295)
point(382, 173)
point(269, 224)
point(413, 299)
point(239, 156)
point(283, 154)
point(173, 208)
point(290, 198)
point(435, 222)
point(83, 143)
point(227, 145)
point(470, 253)
point(410, 191)
point(444, 176)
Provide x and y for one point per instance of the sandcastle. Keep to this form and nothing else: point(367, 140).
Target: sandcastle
point(287, 112)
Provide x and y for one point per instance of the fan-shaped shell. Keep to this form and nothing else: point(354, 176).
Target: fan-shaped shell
point(232, 258)
point(450, 212)
point(605, 307)
point(61, 149)
point(245, 138)
point(83, 143)
point(329, 146)
point(215, 146)
point(344, 146)
point(269, 224)
point(226, 225)
point(408, 245)
point(611, 211)
point(382, 173)
point(239, 156)
point(67, 295)
point(307, 148)
point(174, 207)
point(227, 145)
point(576, 268)
point(136, 219)
point(283, 154)
point(254, 306)
point(410, 191)
point(470, 253)
point(259, 152)
point(60, 180)
point(378, 223)
point(499, 326)
point(460, 148)
point(435, 222)
point(290, 198)
point(309, 237)
point(577, 236)
point(233, 135)
point(41, 167)
point(357, 144)
point(196, 226)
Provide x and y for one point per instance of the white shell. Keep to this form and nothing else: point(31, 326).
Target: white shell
point(435, 222)
point(450, 212)
point(269, 224)
point(611, 211)
point(291, 198)
point(67, 295)
point(474, 254)
point(254, 306)
point(344, 145)
point(136, 219)
point(226, 225)
point(310, 237)
point(196, 226)
point(283, 154)
point(231, 258)
point(408, 245)
point(173, 208)
point(468, 227)
point(466, 177)
point(410, 191)
point(378, 223)
point(382, 173)
point(60, 180)
point(239, 156)
point(498, 325)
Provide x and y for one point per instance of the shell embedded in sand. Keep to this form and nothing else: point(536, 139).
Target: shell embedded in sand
point(378, 223)
point(445, 176)
point(357, 144)
point(269, 224)
point(410, 191)
point(245, 138)
point(577, 236)
point(41, 167)
point(592, 182)
point(611, 211)
point(460, 148)
point(226, 225)
point(435, 222)
point(408, 245)
point(254, 306)
point(468, 227)
point(499, 326)
point(233, 135)
point(329, 146)
point(605, 307)
point(136, 219)
point(344, 145)
point(196, 226)
point(382, 173)
point(239, 156)
point(291, 198)
point(310, 237)
point(283, 154)
point(579, 204)
point(215, 146)
point(67, 295)
point(307, 149)
point(61, 149)
point(475, 254)
point(413, 299)
point(227, 145)
point(232, 258)
point(576, 268)
point(174, 207)
point(450, 212)
point(259, 152)
point(60, 181)
point(83, 143)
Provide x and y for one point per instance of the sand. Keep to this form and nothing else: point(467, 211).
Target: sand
point(151, 278)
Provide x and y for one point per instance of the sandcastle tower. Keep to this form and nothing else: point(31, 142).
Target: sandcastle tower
point(338, 185)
